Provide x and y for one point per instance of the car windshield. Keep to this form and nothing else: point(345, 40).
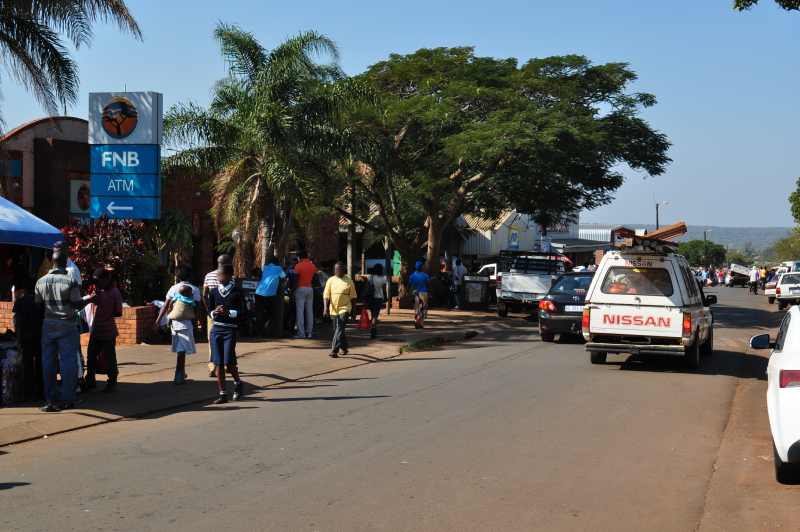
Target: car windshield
point(537, 265)
point(791, 279)
point(572, 285)
point(638, 281)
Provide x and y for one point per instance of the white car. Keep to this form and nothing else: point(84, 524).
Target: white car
point(645, 300)
point(783, 393)
point(787, 292)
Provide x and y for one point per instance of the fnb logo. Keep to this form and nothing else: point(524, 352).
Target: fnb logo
point(643, 321)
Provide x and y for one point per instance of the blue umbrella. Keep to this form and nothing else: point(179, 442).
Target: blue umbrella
point(19, 227)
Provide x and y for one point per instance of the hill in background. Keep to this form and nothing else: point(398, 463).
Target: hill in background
point(733, 237)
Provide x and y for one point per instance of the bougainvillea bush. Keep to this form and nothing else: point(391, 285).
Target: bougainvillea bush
point(122, 245)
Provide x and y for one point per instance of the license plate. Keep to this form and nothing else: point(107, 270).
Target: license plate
point(573, 308)
point(794, 290)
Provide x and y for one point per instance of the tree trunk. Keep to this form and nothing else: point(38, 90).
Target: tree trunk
point(351, 233)
point(433, 247)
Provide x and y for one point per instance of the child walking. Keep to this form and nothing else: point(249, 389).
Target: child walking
point(225, 303)
point(180, 306)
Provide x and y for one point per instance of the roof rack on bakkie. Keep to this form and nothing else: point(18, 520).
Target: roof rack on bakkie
point(658, 241)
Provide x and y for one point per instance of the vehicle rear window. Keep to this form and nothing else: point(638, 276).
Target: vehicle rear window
point(637, 281)
point(537, 265)
point(791, 279)
point(572, 285)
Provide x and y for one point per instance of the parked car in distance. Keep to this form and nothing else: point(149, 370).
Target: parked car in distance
point(737, 275)
point(561, 310)
point(783, 394)
point(787, 292)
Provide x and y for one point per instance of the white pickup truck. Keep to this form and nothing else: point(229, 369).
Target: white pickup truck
point(524, 278)
point(645, 300)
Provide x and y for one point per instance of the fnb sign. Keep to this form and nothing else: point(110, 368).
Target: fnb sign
point(124, 159)
point(110, 159)
point(642, 321)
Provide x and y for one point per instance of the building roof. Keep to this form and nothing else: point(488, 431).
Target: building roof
point(478, 223)
point(33, 123)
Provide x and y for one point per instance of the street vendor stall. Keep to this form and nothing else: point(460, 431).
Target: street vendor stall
point(21, 233)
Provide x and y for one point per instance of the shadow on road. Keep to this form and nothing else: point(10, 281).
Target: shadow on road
point(728, 363)
point(12, 485)
point(727, 317)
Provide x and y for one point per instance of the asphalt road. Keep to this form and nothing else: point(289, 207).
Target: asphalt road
point(501, 433)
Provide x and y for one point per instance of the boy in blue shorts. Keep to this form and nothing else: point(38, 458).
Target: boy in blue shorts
point(226, 304)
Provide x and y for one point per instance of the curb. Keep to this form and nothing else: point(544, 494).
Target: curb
point(437, 341)
point(418, 345)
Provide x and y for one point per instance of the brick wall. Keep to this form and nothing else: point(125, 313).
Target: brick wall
point(133, 326)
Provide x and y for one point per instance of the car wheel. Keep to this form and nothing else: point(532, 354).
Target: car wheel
point(708, 346)
point(692, 355)
point(547, 336)
point(502, 310)
point(597, 357)
point(781, 305)
point(784, 473)
point(771, 300)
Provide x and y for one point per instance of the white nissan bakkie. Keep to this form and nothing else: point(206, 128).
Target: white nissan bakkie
point(645, 300)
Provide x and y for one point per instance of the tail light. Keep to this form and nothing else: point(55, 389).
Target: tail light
point(687, 324)
point(790, 378)
point(547, 305)
point(585, 322)
point(778, 291)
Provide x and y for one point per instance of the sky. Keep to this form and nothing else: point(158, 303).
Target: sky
point(726, 82)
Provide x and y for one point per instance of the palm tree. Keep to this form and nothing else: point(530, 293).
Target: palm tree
point(33, 48)
point(271, 121)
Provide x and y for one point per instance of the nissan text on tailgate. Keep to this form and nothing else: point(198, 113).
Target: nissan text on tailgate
point(645, 300)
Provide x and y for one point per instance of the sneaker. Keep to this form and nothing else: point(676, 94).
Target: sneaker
point(334, 354)
point(345, 351)
point(50, 408)
point(238, 391)
point(221, 399)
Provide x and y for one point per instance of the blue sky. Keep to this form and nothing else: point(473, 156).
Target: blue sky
point(727, 82)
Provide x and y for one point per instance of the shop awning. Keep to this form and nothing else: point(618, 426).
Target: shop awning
point(21, 228)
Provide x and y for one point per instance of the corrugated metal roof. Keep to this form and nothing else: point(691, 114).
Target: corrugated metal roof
point(486, 224)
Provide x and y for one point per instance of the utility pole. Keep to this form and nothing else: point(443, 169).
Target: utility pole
point(658, 205)
point(351, 232)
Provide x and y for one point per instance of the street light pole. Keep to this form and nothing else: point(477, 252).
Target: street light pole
point(659, 204)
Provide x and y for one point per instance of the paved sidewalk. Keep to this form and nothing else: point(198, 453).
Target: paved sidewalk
point(146, 371)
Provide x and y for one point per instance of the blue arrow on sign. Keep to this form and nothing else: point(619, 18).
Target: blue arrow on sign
point(125, 208)
point(125, 185)
point(124, 158)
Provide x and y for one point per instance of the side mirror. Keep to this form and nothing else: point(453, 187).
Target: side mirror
point(711, 300)
point(761, 342)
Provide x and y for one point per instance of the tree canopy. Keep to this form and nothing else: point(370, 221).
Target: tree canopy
point(456, 133)
point(703, 253)
point(32, 42)
point(789, 5)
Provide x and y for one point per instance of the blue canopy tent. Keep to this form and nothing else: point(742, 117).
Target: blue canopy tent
point(21, 228)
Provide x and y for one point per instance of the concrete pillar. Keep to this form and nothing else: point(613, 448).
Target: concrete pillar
point(28, 190)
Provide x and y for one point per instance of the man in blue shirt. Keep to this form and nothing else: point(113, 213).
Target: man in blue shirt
point(269, 299)
point(418, 282)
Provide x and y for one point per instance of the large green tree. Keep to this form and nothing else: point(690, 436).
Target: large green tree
point(703, 253)
point(275, 112)
point(33, 47)
point(456, 133)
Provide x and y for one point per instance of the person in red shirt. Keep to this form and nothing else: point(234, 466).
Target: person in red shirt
point(103, 338)
point(304, 295)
